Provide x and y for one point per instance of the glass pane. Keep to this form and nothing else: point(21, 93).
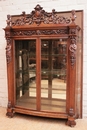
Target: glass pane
point(25, 59)
point(53, 75)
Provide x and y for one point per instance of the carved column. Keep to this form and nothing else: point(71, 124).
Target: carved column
point(72, 75)
point(9, 69)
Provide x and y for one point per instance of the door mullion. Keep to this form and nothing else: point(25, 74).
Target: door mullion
point(38, 73)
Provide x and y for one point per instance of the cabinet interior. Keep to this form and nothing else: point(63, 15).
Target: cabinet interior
point(53, 68)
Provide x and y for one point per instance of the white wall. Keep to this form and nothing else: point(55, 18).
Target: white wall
point(16, 7)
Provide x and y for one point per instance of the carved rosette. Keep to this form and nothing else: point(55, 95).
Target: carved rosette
point(8, 50)
point(73, 46)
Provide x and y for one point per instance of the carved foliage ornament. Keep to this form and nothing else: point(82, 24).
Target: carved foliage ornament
point(72, 49)
point(38, 16)
point(40, 32)
point(8, 50)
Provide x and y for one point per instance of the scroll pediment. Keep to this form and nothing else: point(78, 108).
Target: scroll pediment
point(37, 16)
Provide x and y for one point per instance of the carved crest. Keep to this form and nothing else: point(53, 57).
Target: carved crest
point(38, 16)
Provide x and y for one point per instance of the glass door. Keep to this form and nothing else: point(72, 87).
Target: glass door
point(40, 73)
point(53, 75)
point(25, 73)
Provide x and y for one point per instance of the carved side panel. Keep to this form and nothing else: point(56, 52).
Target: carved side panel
point(8, 50)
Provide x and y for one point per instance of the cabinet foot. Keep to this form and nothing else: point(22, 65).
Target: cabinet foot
point(71, 123)
point(9, 110)
point(9, 114)
point(71, 118)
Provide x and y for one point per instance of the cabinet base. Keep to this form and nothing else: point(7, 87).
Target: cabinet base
point(70, 122)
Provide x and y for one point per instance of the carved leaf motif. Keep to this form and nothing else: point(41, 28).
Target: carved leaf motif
point(18, 22)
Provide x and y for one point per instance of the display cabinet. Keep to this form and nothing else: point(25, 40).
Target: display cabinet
point(41, 55)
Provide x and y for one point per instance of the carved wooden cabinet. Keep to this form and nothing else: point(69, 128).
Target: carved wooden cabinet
point(41, 64)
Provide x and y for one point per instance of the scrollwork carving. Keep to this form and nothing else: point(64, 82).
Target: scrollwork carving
point(72, 48)
point(8, 50)
point(38, 16)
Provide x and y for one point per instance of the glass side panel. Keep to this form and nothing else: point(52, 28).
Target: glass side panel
point(53, 75)
point(25, 69)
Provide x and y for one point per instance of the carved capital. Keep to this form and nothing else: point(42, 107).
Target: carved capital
point(8, 50)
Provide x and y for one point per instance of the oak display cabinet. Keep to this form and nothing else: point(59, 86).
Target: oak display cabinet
point(41, 57)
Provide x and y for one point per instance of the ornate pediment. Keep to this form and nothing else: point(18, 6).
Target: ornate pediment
point(37, 16)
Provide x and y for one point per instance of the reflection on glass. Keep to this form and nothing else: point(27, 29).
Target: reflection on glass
point(53, 75)
point(25, 67)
